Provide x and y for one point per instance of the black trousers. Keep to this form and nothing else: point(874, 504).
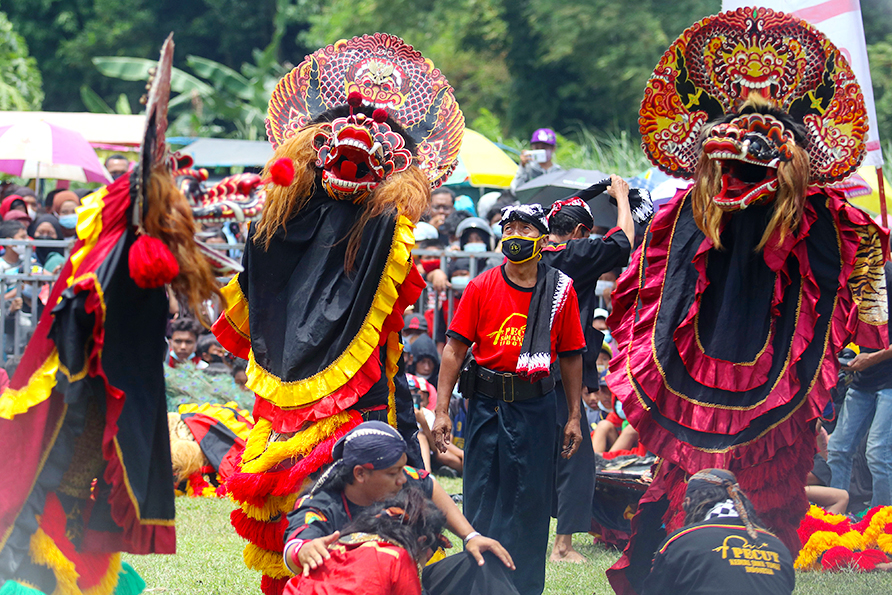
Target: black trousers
point(575, 477)
point(509, 479)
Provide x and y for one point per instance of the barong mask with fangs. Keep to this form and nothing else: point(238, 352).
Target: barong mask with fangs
point(753, 55)
point(749, 149)
point(356, 153)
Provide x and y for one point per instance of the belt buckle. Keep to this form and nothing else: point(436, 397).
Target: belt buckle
point(510, 382)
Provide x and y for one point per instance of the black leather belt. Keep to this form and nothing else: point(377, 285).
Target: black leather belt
point(509, 387)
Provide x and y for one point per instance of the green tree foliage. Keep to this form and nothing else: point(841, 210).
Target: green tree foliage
point(880, 54)
point(65, 35)
point(20, 82)
point(516, 65)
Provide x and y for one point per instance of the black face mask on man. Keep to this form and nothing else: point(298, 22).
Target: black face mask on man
point(520, 249)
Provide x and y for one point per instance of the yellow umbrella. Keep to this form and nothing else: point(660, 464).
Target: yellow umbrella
point(871, 202)
point(481, 163)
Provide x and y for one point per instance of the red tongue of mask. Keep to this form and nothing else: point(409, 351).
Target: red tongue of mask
point(348, 170)
point(732, 187)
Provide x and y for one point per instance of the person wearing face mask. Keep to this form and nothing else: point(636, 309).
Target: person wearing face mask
point(183, 343)
point(46, 227)
point(11, 262)
point(117, 165)
point(520, 318)
point(13, 202)
point(538, 160)
point(30, 198)
point(474, 236)
point(584, 259)
point(65, 204)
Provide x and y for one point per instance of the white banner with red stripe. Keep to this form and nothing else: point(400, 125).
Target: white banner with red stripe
point(840, 21)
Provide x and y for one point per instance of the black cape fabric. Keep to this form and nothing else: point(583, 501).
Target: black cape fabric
point(136, 368)
point(584, 261)
point(718, 556)
point(304, 306)
point(738, 298)
point(460, 574)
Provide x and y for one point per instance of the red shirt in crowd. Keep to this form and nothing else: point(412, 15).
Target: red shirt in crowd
point(492, 315)
point(372, 568)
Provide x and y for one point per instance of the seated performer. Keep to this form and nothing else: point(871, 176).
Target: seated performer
point(379, 552)
point(370, 467)
point(722, 548)
point(519, 318)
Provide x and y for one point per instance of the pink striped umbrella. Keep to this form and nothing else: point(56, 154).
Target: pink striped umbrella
point(42, 150)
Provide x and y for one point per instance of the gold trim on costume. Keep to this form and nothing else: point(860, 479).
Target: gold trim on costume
point(142, 521)
point(38, 389)
point(89, 227)
point(236, 311)
point(299, 445)
point(309, 390)
point(40, 466)
point(659, 365)
point(391, 367)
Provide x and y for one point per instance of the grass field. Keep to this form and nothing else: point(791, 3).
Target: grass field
point(209, 562)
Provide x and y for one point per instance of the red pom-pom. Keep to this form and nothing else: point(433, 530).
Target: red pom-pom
point(868, 559)
point(838, 558)
point(379, 115)
point(282, 172)
point(354, 99)
point(152, 264)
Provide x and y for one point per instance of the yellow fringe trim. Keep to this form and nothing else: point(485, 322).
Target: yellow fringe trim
point(236, 308)
point(89, 226)
point(298, 446)
point(884, 542)
point(819, 513)
point(309, 390)
point(821, 541)
point(391, 367)
point(40, 385)
point(221, 413)
point(270, 563)
point(45, 552)
point(274, 506)
point(257, 440)
point(109, 582)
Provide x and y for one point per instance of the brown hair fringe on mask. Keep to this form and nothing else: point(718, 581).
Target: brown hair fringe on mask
point(406, 193)
point(169, 218)
point(789, 199)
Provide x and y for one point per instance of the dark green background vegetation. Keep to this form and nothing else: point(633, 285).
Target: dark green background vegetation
point(516, 64)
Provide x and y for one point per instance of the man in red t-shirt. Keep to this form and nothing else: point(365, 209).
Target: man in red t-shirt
point(519, 318)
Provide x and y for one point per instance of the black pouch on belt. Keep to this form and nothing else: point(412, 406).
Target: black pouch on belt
point(467, 381)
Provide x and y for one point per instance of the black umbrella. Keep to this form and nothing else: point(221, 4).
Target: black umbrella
point(590, 185)
point(553, 186)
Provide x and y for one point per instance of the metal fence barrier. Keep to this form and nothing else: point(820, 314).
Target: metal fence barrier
point(25, 284)
point(28, 283)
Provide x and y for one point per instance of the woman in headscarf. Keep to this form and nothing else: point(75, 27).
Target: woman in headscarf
point(64, 205)
point(46, 227)
point(12, 202)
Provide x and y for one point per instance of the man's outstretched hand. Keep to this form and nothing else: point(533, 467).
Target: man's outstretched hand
point(314, 553)
point(480, 544)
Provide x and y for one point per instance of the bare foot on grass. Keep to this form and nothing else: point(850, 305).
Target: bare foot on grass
point(563, 551)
